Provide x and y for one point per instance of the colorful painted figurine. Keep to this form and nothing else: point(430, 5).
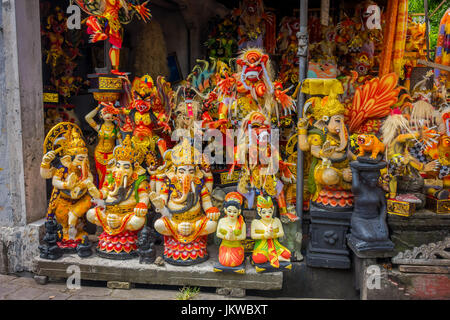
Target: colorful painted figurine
point(404, 169)
point(150, 109)
point(108, 137)
point(256, 26)
point(330, 175)
point(105, 22)
point(71, 179)
point(252, 89)
point(263, 169)
point(185, 203)
point(370, 144)
point(232, 230)
point(122, 205)
point(268, 253)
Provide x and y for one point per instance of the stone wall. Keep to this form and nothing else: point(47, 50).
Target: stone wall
point(22, 191)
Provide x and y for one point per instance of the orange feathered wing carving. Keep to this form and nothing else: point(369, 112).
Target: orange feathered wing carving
point(373, 101)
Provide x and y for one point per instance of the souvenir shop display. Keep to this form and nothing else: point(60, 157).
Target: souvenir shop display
point(61, 50)
point(443, 50)
point(373, 140)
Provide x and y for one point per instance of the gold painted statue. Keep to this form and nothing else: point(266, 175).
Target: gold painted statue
point(330, 177)
point(268, 254)
point(185, 203)
point(122, 204)
point(108, 135)
point(71, 179)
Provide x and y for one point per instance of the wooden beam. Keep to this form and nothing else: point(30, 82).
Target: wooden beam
point(424, 269)
point(434, 65)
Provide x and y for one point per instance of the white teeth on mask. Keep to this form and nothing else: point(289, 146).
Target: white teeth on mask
point(252, 75)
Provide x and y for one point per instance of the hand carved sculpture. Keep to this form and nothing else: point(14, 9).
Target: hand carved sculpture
point(122, 204)
point(185, 203)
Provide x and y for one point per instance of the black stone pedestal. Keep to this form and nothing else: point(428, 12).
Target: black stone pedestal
point(373, 249)
point(327, 246)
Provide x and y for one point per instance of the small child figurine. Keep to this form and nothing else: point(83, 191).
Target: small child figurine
point(231, 229)
point(268, 254)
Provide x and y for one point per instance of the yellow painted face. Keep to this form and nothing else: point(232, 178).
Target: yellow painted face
point(142, 119)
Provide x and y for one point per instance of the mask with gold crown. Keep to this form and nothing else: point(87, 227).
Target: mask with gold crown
point(71, 180)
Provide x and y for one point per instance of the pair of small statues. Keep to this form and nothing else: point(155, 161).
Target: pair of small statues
point(268, 253)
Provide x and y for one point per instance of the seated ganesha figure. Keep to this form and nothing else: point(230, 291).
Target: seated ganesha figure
point(185, 203)
point(125, 199)
point(330, 176)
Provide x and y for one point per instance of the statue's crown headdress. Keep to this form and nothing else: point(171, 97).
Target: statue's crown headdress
point(264, 202)
point(235, 197)
point(126, 151)
point(73, 143)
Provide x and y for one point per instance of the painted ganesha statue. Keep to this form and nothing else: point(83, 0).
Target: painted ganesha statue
point(326, 138)
point(184, 201)
point(66, 162)
point(122, 205)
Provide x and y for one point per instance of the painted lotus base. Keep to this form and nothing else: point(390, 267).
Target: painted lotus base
point(69, 246)
point(119, 247)
point(185, 254)
point(334, 200)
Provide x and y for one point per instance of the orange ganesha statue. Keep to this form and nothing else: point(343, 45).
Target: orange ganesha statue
point(72, 182)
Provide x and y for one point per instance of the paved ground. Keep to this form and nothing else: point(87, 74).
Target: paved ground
point(25, 288)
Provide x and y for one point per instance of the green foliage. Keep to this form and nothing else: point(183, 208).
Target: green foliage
point(187, 293)
point(416, 6)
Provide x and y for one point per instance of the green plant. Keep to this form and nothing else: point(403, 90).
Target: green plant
point(416, 6)
point(187, 293)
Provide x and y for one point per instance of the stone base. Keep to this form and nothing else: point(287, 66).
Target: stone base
point(327, 246)
point(201, 275)
point(324, 260)
point(373, 249)
point(19, 245)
